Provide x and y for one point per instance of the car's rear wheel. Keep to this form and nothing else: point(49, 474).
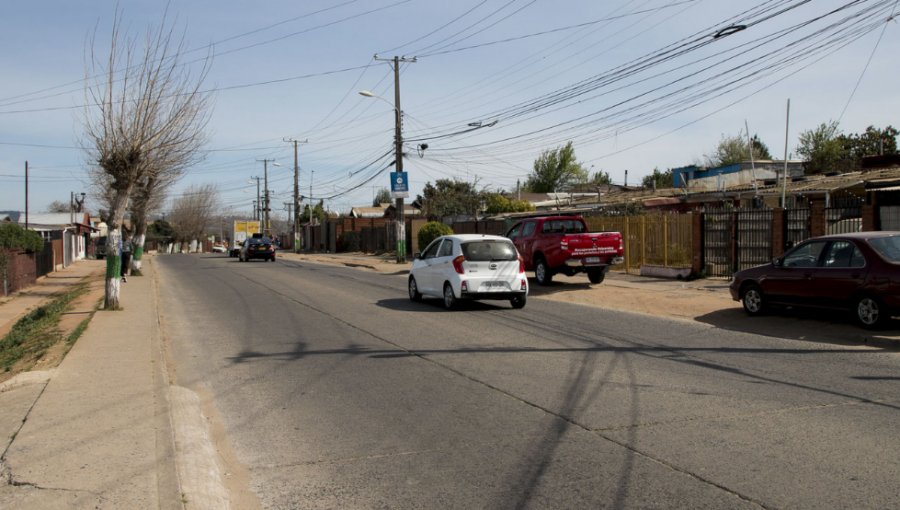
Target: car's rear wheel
point(596, 275)
point(869, 312)
point(414, 294)
point(518, 301)
point(753, 300)
point(542, 272)
point(449, 297)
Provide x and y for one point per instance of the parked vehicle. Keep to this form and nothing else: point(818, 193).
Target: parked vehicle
point(242, 230)
point(257, 247)
point(469, 266)
point(562, 244)
point(219, 248)
point(859, 272)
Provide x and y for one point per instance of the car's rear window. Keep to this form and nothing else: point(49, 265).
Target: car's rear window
point(489, 250)
point(887, 247)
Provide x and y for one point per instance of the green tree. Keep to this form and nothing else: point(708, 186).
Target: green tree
point(734, 149)
point(600, 178)
point(449, 197)
point(872, 142)
point(382, 197)
point(496, 203)
point(822, 149)
point(659, 180)
point(556, 170)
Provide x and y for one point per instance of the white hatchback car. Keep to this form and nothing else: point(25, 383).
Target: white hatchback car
point(469, 266)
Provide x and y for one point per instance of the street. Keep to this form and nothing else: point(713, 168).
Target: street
point(333, 390)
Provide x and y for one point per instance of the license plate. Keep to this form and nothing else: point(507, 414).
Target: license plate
point(592, 260)
point(495, 285)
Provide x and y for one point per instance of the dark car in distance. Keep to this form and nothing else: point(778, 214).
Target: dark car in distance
point(858, 272)
point(257, 248)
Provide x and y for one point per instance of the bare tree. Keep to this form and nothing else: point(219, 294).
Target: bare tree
point(193, 211)
point(145, 118)
point(148, 197)
point(58, 206)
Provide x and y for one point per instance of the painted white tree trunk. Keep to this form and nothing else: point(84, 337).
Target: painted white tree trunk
point(113, 269)
point(137, 253)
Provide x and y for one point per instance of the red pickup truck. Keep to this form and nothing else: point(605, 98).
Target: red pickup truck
point(562, 244)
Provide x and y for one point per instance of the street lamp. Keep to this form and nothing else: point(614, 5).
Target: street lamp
point(398, 162)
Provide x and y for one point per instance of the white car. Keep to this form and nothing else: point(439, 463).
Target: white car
point(469, 266)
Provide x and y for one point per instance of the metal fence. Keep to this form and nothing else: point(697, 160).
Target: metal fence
point(736, 239)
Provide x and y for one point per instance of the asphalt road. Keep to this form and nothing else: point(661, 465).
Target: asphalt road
point(335, 391)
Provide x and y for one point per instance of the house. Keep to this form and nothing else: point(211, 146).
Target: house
point(72, 229)
point(370, 212)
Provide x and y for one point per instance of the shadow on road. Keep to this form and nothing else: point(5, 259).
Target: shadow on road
point(806, 325)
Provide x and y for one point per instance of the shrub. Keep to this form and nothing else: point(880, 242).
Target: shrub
point(431, 231)
point(14, 236)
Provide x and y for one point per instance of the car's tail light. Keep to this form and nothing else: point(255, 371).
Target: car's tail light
point(524, 284)
point(564, 244)
point(458, 264)
point(521, 264)
point(464, 286)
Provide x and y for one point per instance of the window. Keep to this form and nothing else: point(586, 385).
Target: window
point(528, 229)
point(514, 232)
point(887, 247)
point(446, 248)
point(843, 254)
point(432, 249)
point(805, 255)
point(486, 251)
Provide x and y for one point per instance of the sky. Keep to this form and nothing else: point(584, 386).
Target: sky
point(487, 85)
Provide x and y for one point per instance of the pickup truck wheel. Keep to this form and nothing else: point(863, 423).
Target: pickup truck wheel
point(542, 273)
point(596, 275)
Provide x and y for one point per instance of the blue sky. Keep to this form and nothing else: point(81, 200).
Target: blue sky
point(634, 84)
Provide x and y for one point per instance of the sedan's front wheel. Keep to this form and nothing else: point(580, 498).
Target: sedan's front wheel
point(753, 300)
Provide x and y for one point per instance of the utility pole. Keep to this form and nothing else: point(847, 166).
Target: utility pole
point(398, 154)
point(26, 195)
point(257, 205)
point(266, 227)
point(296, 222)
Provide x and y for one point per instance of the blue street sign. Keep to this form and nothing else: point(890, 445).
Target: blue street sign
point(399, 185)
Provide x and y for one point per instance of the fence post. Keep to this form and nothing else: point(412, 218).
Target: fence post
point(779, 231)
point(697, 238)
point(817, 220)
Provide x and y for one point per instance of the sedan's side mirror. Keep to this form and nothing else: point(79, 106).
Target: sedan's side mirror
point(778, 262)
point(417, 255)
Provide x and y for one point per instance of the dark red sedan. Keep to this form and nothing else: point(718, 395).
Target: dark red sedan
point(859, 272)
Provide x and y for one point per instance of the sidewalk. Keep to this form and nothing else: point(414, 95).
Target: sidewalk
point(95, 432)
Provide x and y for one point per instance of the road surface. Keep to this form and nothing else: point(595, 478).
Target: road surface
point(332, 390)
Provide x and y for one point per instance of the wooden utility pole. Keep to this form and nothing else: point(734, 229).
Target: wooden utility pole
point(296, 222)
point(398, 154)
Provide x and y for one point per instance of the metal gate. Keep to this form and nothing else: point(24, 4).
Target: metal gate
point(736, 239)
